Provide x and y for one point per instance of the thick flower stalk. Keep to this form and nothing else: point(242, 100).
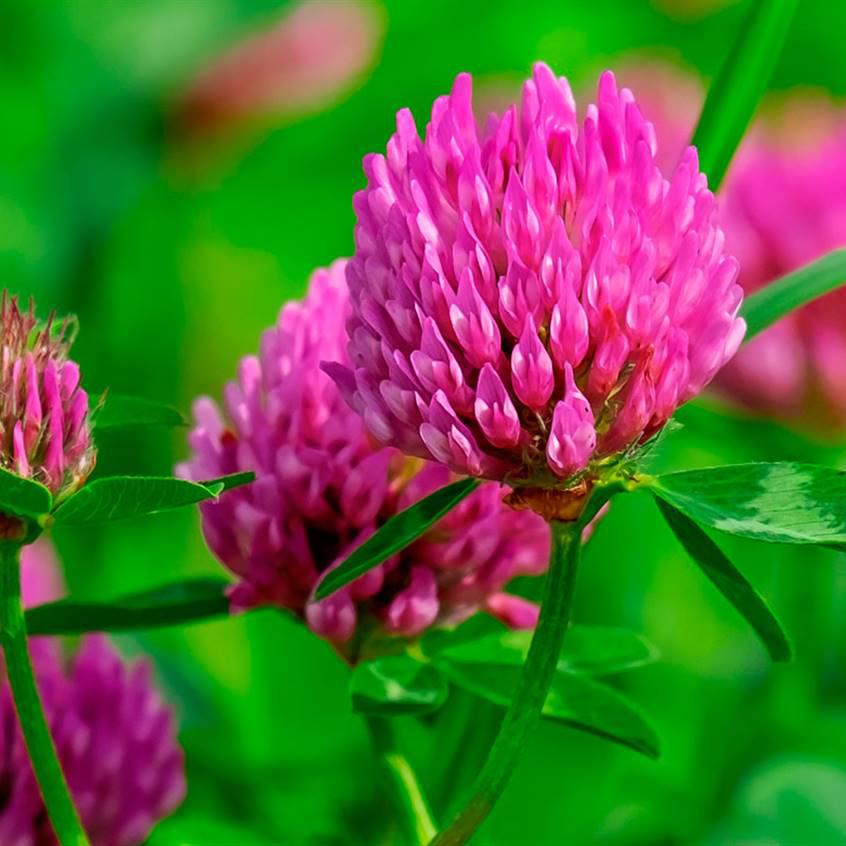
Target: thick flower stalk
point(535, 297)
point(323, 487)
point(114, 734)
point(44, 426)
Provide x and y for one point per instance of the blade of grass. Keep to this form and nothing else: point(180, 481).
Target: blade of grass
point(740, 84)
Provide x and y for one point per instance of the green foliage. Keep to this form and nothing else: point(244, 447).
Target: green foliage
point(767, 306)
point(120, 411)
point(729, 581)
point(180, 603)
point(24, 497)
point(396, 685)
point(114, 498)
point(395, 534)
point(779, 502)
point(742, 81)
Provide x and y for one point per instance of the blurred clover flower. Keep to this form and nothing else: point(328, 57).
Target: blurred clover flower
point(322, 488)
point(536, 297)
point(314, 51)
point(783, 204)
point(114, 736)
point(44, 426)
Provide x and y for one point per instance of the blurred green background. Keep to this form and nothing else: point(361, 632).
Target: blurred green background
point(176, 248)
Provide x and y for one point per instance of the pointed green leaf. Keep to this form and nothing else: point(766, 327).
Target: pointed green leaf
point(120, 497)
point(782, 502)
point(397, 533)
point(574, 700)
point(593, 650)
point(774, 301)
point(740, 84)
point(226, 483)
point(119, 411)
point(397, 685)
point(729, 581)
point(169, 605)
point(23, 497)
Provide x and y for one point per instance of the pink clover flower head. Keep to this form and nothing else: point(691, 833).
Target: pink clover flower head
point(535, 296)
point(44, 424)
point(323, 487)
point(114, 735)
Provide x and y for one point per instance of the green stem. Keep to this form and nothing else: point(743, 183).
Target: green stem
point(39, 743)
point(525, 709)
point(405, 790)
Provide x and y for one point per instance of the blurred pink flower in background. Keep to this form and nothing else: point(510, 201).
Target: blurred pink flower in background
point(323, 487)
point(314, 52)
point(783, 204)
point(114, 735)
point(535, 296)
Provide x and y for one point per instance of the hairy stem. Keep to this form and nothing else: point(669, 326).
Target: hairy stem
point(525, 709)
point(39, 743)
point(406, 794)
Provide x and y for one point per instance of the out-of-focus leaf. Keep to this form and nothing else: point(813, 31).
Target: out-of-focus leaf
point(740, 84)
point(23, 497)
point(395, 685)
point(396, 534)
point(781, 502)
point(790, 292)
point(120, 411)
point(169, 605)
point(574, 700)
point(120, 497)
point(593, 650)
point(729, 581)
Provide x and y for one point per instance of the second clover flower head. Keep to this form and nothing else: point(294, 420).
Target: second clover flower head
point(323, 487)
point(535, 296)
point(44, 423)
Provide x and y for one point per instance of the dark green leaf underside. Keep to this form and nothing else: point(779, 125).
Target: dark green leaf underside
point(180, 603)
point(396, 534)
point(573, 700)
point(729, 581)
point(122, 411)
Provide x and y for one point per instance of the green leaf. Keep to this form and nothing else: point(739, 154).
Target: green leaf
point(781, 502)
point(740, 84)
point(120, 497)
point(593, 650)
point(169, 605)
point(574, 700)
point(397, 685)
point(397, 533)
point(120, 411)
point(226, 483)
point(774, 301)
point(23, 497)
point(729, 581)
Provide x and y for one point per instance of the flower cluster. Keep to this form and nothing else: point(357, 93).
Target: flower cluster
point(114, 735)
point(537, 295)
point(322, 487)
point(44, 430)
